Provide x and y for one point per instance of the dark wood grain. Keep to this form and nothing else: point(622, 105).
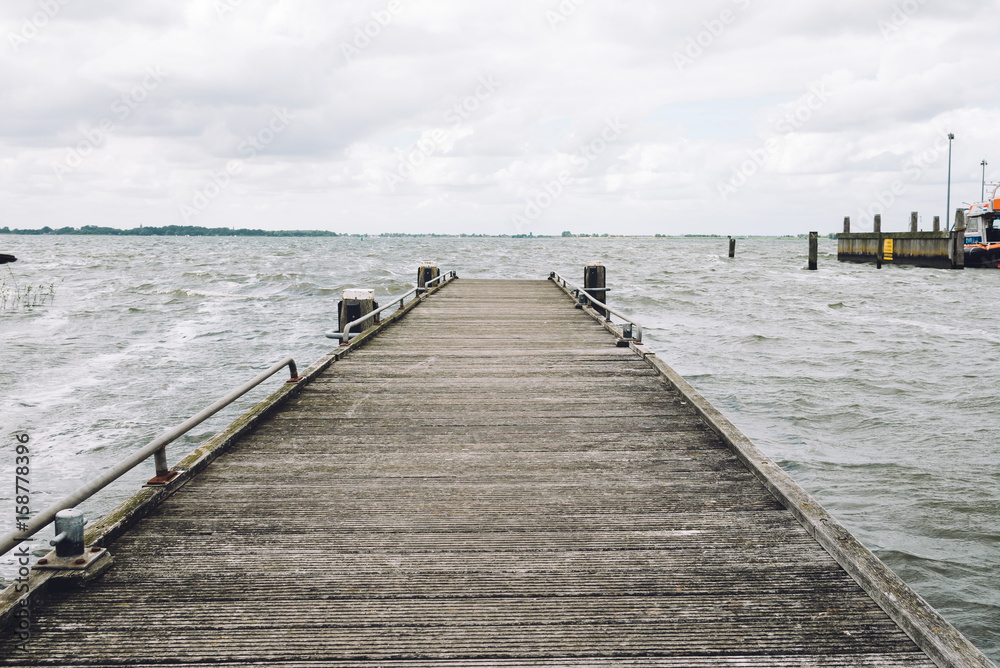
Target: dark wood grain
point(489, 482)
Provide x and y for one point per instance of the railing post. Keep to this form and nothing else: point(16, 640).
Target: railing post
point(914, 221)
point(847, 224)
point(160, 459)
point(937, 223)
point(594, 282)
point(354, 304)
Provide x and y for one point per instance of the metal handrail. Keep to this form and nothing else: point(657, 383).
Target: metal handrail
point(636, 333)
point(345, 334)
point(447, 274)
point(156, 447)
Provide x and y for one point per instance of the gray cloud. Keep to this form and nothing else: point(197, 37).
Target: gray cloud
point(714, 94)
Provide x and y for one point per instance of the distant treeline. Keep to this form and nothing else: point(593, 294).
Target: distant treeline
point(175, 231)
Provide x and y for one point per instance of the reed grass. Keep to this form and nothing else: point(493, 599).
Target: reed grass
point(13, 295)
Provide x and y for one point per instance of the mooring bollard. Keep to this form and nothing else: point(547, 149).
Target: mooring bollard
point(355, 304)
point(847, 224)
point(914, 221)
point(69, 533)
point(428, 272)
point(813, 250)
point(732, 247)
point(594, 276)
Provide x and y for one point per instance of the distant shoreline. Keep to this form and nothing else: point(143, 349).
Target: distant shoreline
point(193, 231)
point(173, 231)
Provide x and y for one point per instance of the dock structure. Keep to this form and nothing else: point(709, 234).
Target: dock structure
point(941, 249)
point(485, 480)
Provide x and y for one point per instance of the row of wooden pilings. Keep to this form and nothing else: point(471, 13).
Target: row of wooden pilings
point(914, 222)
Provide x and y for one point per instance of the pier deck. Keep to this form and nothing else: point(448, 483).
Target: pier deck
point(489, 482)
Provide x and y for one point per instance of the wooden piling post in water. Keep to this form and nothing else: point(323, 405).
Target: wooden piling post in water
point(958, 240)
point(878, 240)
point(594, 282)
point(732, 247)
point(847, 224)
point(355, 304)
point(813, 250)
point(914, 221)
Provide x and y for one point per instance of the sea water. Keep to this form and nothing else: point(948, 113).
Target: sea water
point(877, 390)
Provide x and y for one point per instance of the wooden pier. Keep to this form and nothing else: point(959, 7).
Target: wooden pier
point(485, 480)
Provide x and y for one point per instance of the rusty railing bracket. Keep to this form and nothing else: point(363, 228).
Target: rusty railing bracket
point(160, 480)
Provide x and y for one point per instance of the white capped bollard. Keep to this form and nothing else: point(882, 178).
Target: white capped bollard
point(355, 303)
point(69, 533)
point(74, 562)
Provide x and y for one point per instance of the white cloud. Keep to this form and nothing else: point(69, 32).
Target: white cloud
point(892, 92)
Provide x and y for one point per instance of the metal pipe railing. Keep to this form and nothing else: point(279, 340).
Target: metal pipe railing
point(156, 447)
point(345, 334)
point(633, 331)
point(447, 274)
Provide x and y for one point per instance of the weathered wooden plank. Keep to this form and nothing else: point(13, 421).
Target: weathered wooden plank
point(490, 482)
point(743, 661)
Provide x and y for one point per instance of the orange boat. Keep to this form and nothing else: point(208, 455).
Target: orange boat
point(982, 240)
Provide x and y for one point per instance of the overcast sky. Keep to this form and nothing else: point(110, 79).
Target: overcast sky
point(727, 117)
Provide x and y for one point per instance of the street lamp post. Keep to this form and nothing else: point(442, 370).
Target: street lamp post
point(947, 209)
point(982, 193)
